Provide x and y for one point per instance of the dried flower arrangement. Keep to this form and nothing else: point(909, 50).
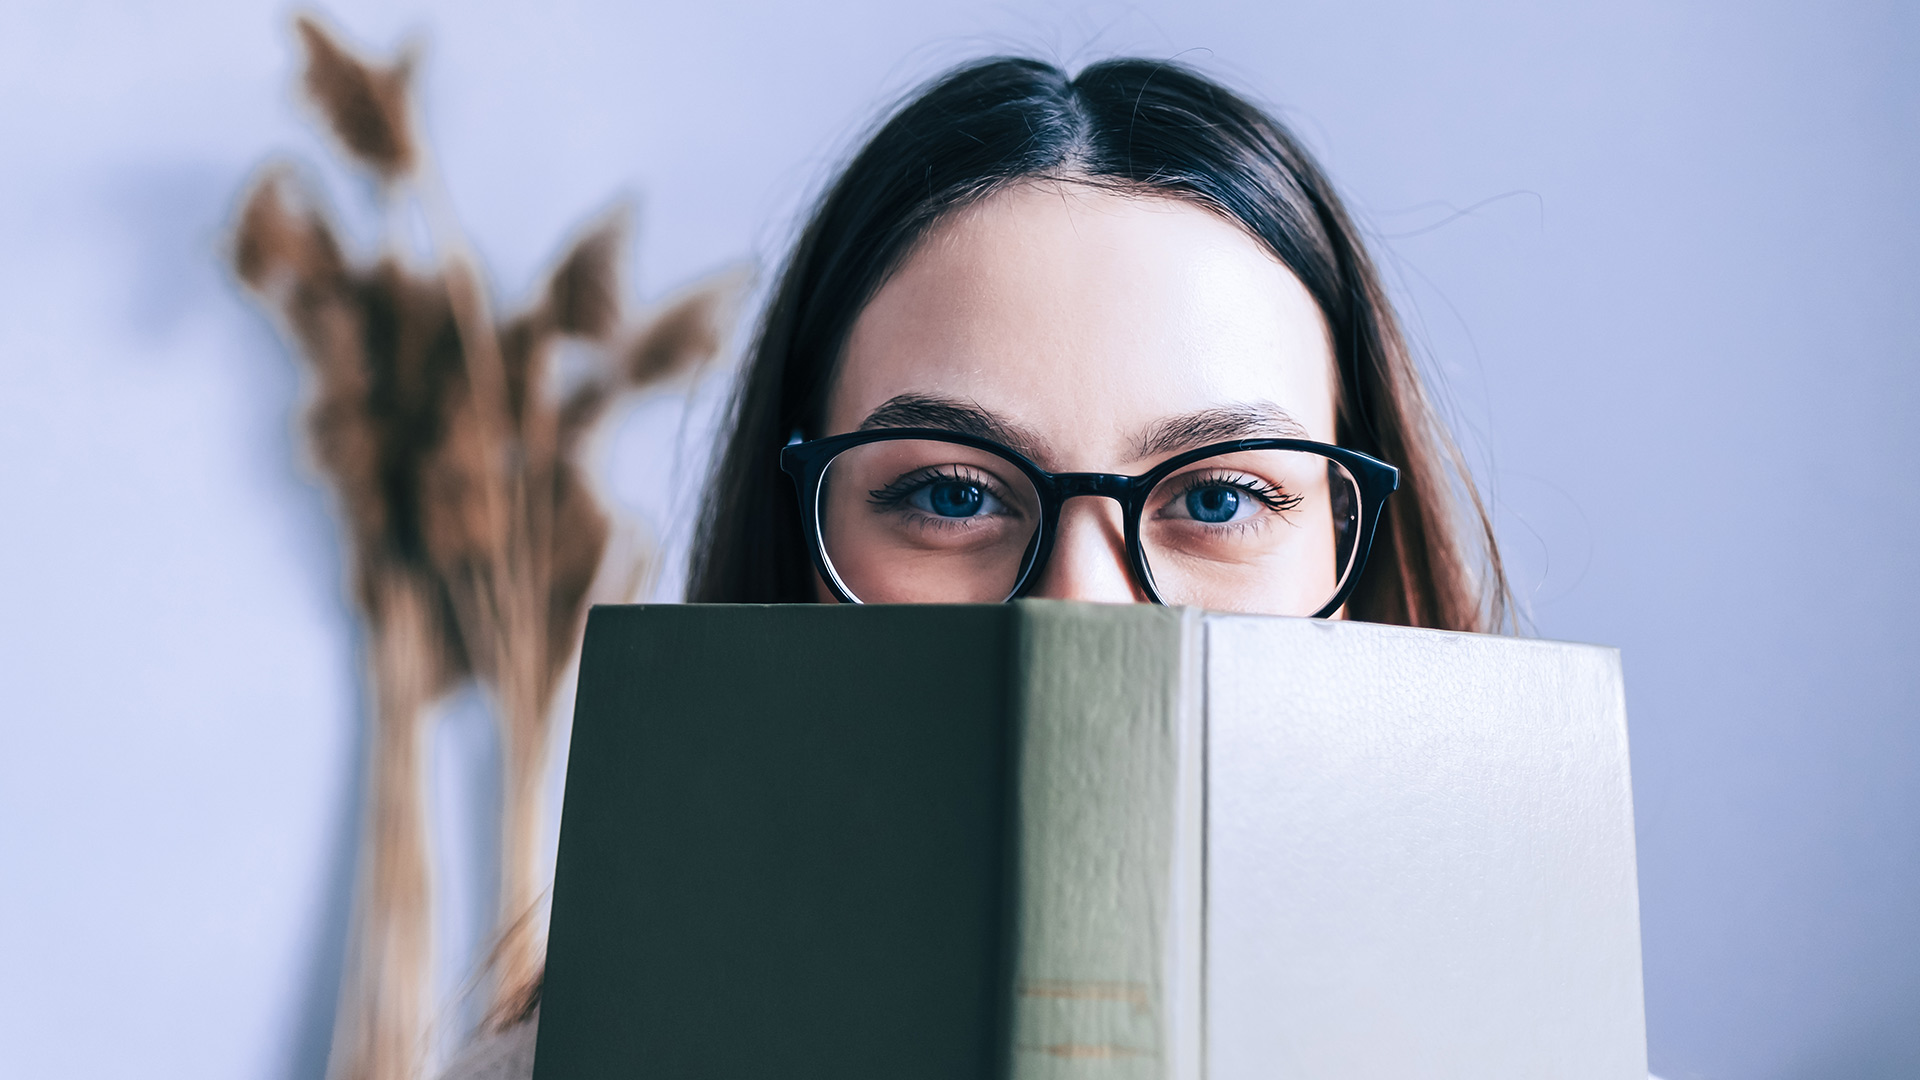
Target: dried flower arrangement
point(475, 538)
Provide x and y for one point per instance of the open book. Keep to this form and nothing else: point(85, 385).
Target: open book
point(1046, 839)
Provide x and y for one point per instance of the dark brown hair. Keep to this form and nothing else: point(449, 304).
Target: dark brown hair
point(1127, 124)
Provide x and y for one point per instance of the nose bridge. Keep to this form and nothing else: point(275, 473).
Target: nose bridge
point(1108, 485)
point(1088, 559)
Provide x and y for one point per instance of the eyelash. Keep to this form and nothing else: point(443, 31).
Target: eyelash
point(902, 489)
point(1273, 498)
point(1267, 494)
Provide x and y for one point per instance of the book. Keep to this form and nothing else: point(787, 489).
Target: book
point(1050, 840)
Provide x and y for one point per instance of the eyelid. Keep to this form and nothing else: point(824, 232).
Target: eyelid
point(955, 470)
point(914, 479)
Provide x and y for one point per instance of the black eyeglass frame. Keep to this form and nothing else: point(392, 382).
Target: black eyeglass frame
point(806, 463)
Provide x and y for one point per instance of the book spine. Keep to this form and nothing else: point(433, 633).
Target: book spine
point(1107, 904)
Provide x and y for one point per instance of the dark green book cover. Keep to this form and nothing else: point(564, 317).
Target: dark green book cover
point(789, 843)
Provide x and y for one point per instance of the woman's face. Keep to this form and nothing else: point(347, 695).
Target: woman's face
point(1094, 332)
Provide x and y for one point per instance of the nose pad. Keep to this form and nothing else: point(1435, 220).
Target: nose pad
point(1089, 559)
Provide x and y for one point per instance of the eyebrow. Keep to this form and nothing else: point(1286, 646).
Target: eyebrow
point(1247, 420)
point(949, 414)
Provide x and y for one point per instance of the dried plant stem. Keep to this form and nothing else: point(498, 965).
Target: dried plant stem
point(477, 539)
point(384, 997)
point(523, 705)
point(525, 689)
point(513, 591)
point(513, 629)
point(519, 953)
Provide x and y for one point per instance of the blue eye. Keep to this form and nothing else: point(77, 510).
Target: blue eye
point(1213, 505)
point(951, 499)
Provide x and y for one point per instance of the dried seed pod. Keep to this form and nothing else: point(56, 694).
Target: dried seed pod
point(689, 331)
point(367, 106)
point(583, 295)
point(281, 241)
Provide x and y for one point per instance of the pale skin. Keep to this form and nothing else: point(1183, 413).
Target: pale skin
point(1094, 331)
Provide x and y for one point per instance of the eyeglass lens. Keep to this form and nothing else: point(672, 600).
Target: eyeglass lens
point(922, 521)
point(926, 521)
point(1265, 531)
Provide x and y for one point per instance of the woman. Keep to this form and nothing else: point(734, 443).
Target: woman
point(1091, 263)
point(1109, 337)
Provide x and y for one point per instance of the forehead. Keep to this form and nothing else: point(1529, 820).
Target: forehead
point(1085, 315)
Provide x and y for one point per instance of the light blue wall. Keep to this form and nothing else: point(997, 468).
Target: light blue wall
point(1678, 329)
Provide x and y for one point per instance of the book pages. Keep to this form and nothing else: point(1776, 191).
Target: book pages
point(1420, 856)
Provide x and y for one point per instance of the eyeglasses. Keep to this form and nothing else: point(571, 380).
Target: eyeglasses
point(916, 515)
